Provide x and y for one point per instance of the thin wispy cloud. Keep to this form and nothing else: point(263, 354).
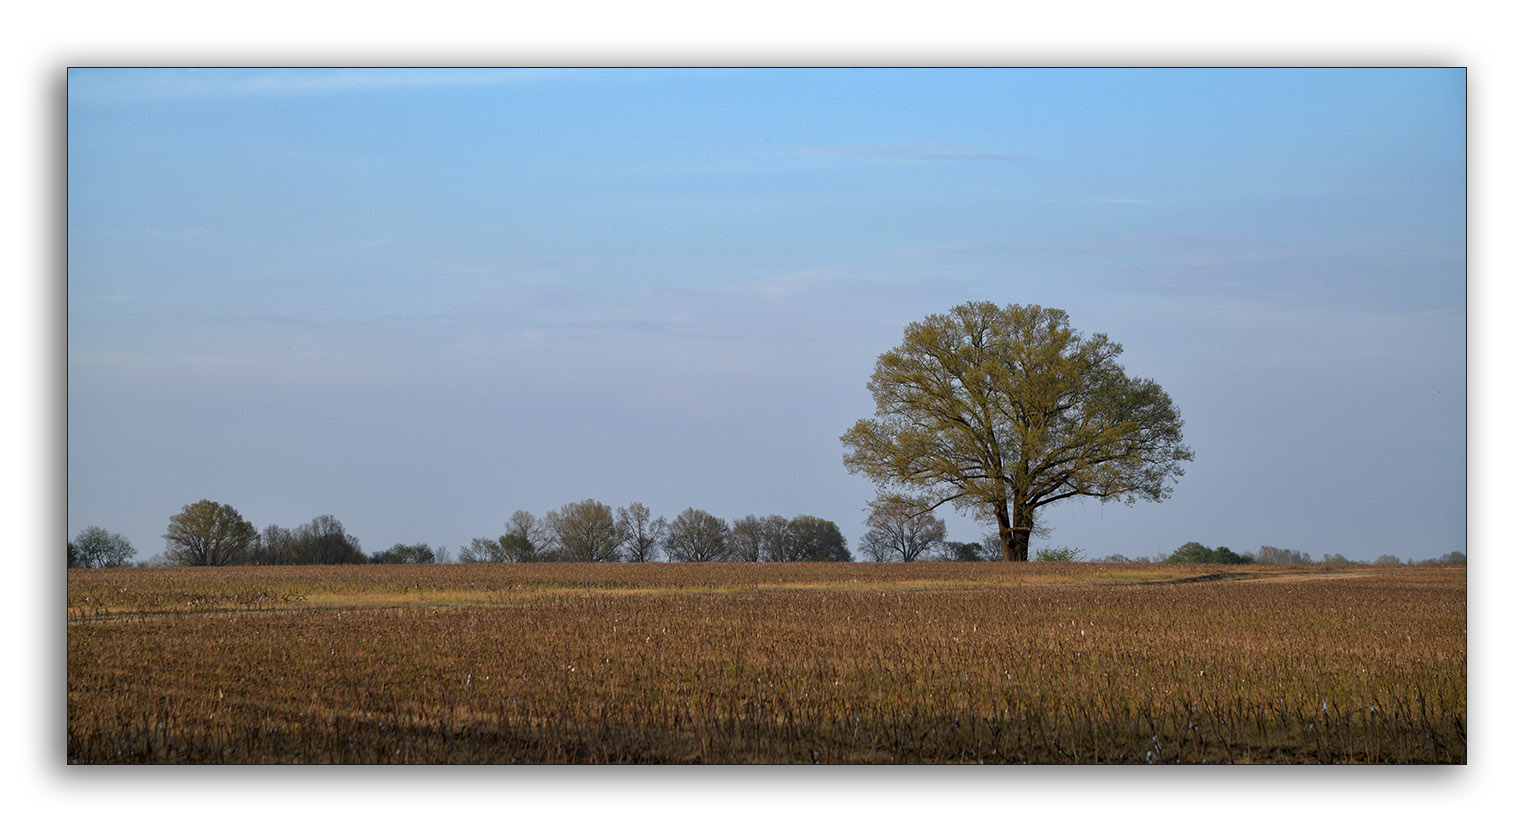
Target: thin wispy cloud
point(1103, 200)
point(514, 264)
point(211, 83)
point(955, 250)
point(782, 285)
point(909, 154)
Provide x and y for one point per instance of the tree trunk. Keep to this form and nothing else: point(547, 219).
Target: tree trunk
point(1024, 530)
point(1012, 548)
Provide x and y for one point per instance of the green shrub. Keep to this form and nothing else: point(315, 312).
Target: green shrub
point(1056, 554)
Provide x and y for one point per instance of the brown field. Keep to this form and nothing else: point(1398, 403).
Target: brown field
point(767, 663)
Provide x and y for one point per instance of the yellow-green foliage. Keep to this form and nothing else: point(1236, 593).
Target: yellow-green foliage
point(1004, 410)
point(929, 662)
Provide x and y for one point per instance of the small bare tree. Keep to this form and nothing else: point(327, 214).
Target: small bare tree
point(526, 538)
point(641, 535)
point(483, 550)
point(899, 531)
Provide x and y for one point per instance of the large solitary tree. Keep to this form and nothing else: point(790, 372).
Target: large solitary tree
point(1003, 411)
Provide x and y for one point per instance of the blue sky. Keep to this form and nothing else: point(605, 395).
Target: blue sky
point(421, 300)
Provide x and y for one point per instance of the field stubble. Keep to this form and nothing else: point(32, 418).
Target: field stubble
point(673, 663)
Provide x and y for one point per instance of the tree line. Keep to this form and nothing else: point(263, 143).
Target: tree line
point(1195, 552)
point(590, 531)
point(207, 533)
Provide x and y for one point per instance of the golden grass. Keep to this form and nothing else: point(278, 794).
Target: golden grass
point(767, 663)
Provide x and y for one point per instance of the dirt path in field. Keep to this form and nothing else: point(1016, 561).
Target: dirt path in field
point(1260, 577)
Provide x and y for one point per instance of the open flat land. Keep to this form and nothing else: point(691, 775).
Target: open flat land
point(768, 663)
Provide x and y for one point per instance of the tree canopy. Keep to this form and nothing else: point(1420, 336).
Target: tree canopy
point(321, 540)
point(1003, 411)
point(641, 535)
point(410, 553)
point(1195, 552)
point(206, 533)
point(585, 531)
point(696, 536)
point(96, 547)
point(816, 538)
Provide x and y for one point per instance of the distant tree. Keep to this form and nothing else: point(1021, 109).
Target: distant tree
point(748, 539)
point(417, 553)
point(1335, 560)
point(277, 547)
point(816, 539)
point(97, 548)
point(899, 531)
point(641, 535)
point(324, 540)
point(1387, 560)
point(696, 536)
point(1116, 558)
point(1224, 554)
point(871, 546)
point(1058, 554)
point(954, 550)
point(74, 555)
point(776, 543)
point(991, 549)
point(483, 550)
point(585, 531)
point(1004, 411)
point(1275, 556)
point(1193, 552)
point(526, 539)
point(1455, 558)
point(206, 533)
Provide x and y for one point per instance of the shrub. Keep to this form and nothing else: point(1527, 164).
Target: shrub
point(1057, 554)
